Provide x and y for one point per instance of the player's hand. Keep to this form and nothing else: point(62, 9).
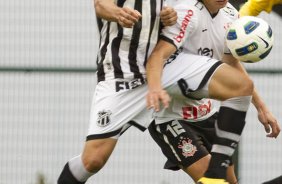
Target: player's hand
point(154, 97)
point(270, 123)
point(168, 16)
point(127, 17)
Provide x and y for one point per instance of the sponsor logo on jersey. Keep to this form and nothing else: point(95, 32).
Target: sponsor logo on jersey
point(125, 85)
point(184, 25)
point(188, 149)
point(104, 118)
point(195, 112)
point(205, 52)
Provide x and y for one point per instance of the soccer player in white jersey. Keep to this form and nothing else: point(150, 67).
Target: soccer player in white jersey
point(126, 42)
point(200, 30)
point(193, 119)
point(200, 114)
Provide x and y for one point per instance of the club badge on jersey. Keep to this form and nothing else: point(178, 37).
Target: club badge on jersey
point(104, 118)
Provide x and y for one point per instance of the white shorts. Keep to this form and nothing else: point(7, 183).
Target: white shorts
point(189, 95)
point(118, 104)
point(195, 70)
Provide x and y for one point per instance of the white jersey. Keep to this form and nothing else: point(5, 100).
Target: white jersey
point(199, 32)
point(196, 32)
point(124, 51)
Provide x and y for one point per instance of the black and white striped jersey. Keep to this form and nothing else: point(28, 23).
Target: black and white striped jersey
point(123, 51)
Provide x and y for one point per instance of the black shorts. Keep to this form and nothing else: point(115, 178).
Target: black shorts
point(182, 142)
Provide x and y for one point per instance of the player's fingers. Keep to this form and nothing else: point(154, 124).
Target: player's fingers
point(166, 10)
point(137, 14)
point(128, 17)
point(266, 127)
point(156, 103)
point(149, 101)
point(165, 99)
point(168, 16)
point(153, 101)
point(131, 15)
point(275, 129)
point(125, 23)
point(169, 22)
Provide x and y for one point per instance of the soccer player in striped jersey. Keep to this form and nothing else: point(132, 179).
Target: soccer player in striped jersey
point(129, 31)
point(200, 30)
point(255, 7)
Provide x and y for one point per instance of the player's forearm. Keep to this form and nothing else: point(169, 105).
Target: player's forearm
point(154, 70)
point(155, 64)
point(106, 9)
point(258, 102)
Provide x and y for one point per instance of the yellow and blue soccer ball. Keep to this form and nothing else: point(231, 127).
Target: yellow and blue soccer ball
point(250, 39)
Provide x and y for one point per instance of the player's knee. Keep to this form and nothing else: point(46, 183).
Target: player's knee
point(197, 169)
point(93, 163)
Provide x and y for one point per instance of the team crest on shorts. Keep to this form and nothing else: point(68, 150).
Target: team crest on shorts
point(103, 118)
point(188, 149)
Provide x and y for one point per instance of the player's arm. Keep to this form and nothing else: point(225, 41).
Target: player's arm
point(267, 119)
point(108, 10)
point(167, 45)
point(154, 69)
point(127, 17)
point(255, 7)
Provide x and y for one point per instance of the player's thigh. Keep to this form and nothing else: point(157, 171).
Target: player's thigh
point(228, 82)
point(96, 153)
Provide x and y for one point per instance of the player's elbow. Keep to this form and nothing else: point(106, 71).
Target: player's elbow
point(98, 7)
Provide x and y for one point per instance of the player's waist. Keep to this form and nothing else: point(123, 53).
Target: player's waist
point(123, 84)
point(160, 120)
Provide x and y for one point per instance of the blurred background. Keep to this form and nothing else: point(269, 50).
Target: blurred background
point(47, 77)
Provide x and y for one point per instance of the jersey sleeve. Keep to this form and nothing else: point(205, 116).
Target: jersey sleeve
point(179, 32)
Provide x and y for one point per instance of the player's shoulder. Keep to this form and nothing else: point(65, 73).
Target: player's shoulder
point(184, 4)
point(230, 11)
